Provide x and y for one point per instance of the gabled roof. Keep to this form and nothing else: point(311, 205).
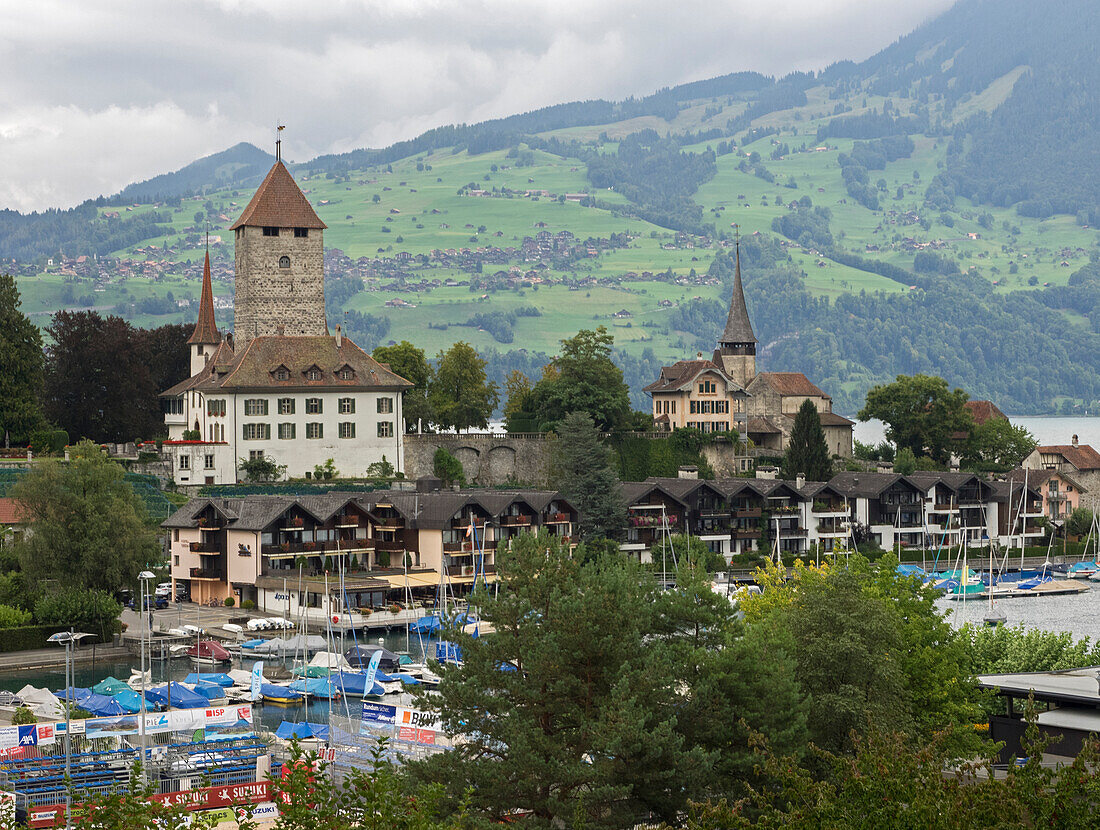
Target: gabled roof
point(634, 491)
point(206, 330)
point(982, 411)
point(1037, 477)
point(761, 425)
point(831, 419)
point(12, 512)
point(254, 367)
point(1081, 456)
point(738, 326)
point(682, 374)
point(868, 485)
point(790, 383)
point(279, 203)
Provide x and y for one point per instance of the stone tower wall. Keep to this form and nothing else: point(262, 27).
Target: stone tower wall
point(270, 300)
point(740, 367)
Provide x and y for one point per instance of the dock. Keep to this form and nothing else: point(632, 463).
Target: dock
point(1056, 587)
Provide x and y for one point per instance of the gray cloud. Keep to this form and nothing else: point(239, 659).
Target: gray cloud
point(98, 94)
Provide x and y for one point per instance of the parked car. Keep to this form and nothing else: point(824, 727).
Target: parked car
point(150, 602)
point(164, 590)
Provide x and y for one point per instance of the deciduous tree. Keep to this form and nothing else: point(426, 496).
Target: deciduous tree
point(921, 413)
point(460, 395)
point(409, 361)
point(89, 528)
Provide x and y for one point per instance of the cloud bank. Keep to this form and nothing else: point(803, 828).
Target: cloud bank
point(99, 94)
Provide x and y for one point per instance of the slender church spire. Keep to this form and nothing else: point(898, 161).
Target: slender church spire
point(738, 326)
point(206, 330)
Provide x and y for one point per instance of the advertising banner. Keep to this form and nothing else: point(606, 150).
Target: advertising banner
point(209, 798)
point(410, 724)
point(176, 720)
point(27, 735)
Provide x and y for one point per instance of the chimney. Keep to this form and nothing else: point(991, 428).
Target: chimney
point(339, 337)
point(800, 481)
point(1073, 440)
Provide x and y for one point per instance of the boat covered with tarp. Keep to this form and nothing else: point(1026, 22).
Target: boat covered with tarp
point(359, 657)
point(110, 686)
point(280, 695)
point(321, 687)
point(302, 731)
point(214, 678)
point(176, 696)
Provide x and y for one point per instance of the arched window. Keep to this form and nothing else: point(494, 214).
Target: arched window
point(284, 262)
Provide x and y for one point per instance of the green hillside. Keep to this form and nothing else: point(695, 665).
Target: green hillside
point(881, 237)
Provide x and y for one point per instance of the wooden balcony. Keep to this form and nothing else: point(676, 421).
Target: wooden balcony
point(202, 575)
point(747, 513)
point(205, 547)
point(558, 519)
point(515, 521)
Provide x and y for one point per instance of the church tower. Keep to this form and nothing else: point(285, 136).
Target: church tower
point(736, 352)
point(204, 340)
point(280, 280)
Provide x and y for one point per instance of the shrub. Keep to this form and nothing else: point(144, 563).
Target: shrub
point(247, 605)
point(13, 617)
point(93, 611)
point(383, 558)
point(22, 716)
point(448, 468)
point(230, 602)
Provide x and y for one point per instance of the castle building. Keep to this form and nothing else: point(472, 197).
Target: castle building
point(281, 387)
point(726, 392)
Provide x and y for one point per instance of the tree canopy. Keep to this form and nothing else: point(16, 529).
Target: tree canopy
point(459, 394)
point(409, 361)
point(921, 413)
point(584, 476)
point(89, 526)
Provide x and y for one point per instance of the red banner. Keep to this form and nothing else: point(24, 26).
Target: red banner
point(211, 797)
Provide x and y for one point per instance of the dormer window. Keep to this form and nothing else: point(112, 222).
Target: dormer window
point(313, 373)
point(345, 373)
point(269, 231)
point(282, 373)
point(284, 262)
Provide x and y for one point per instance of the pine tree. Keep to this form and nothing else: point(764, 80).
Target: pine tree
point(20, 367)
point(807, 452)
point(584, 476)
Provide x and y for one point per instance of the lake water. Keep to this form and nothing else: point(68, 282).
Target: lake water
point(1047, 430)
point(1078, 614)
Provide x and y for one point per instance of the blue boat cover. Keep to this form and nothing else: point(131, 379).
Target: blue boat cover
point(351, 683)
point(129, 700)
point(101, 705)
point(301, 731)
point(426, 625)
point(210, 691)
point(407, 679)
point(910, 570)
point(216, 678)
point(181, 697)
point(76, 695)
point(275, 690)
point(250, 644)
point(316, 686)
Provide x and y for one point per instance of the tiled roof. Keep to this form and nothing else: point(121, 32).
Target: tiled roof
point(682, 373)
point(831, 419)
point(982, 411)
point(790, 383)
point(738, 326)
point(1082, 456)
point(1037, 477)
point(255, 367)
point(279, 203)
point(206, 330)
point(761, 425)
point(11, 512)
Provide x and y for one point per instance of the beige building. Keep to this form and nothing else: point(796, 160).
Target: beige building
point(727, 393)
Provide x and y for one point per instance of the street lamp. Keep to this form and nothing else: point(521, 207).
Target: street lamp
point(144, 578)
point(69, 639)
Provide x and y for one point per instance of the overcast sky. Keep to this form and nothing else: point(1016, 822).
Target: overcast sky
point(98, 94)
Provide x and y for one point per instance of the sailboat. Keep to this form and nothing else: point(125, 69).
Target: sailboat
point(994, 616)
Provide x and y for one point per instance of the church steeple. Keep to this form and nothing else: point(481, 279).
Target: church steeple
point(737, 345)
point(206, 330)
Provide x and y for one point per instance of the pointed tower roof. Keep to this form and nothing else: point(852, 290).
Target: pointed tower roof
point(738, 327)
point(279, 203)
point(206, 330)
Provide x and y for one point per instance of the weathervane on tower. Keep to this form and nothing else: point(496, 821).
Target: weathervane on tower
point(279, 142)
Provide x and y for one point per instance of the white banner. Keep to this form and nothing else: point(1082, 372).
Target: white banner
point(174, 720)
point(32, 734)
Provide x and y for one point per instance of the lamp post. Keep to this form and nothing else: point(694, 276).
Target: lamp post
point(69, 639)
point(143, 578)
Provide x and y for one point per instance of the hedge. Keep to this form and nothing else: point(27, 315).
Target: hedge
point(29, 637)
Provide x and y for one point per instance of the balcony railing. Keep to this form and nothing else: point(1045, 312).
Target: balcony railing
point(469, 570)
point(200, 573)
point(747, 513)
point(558, 519)
point(390, 547)
point(515, 521)
point(205, 547)
point(746, 533)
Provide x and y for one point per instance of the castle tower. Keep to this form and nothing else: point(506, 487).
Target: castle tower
point(204, 340)
point(280, 281)
point(736, 350)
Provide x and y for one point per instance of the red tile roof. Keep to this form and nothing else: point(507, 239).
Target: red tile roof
point(206, 330)
point(11, 512)
point(982, 411)
point(791, 383)
point(1082, 457)
point(279, 203)
point(676, 376)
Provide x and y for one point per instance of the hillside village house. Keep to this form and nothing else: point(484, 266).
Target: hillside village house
point(281, 386)
point(1078, 461)
point(726, 392)
point(1061, 492)
point(739, 515)
point(390, 545)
